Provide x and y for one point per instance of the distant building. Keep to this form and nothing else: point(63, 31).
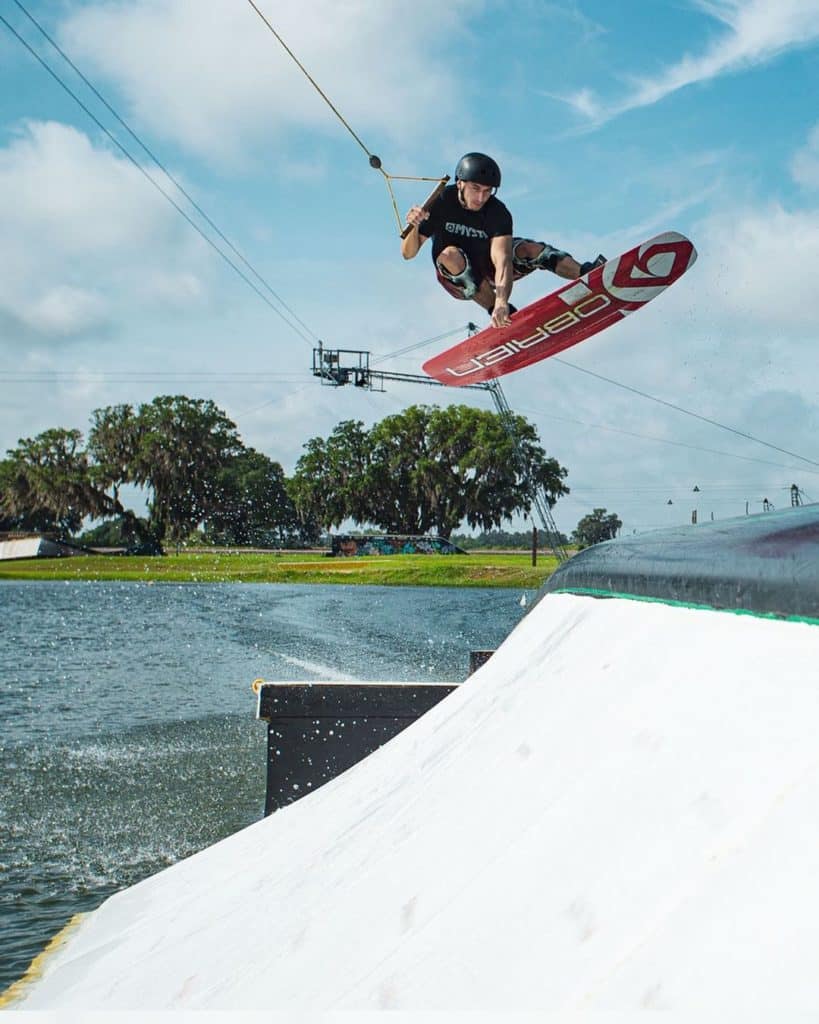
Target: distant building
point(35, 545)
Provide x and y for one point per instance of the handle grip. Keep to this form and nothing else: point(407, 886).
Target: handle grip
point(439, 188)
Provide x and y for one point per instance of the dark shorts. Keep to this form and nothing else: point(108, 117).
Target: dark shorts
point(466, 284)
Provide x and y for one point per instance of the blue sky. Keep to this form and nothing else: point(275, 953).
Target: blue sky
point(611, 122)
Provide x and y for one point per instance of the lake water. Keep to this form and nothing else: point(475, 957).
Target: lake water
point(129, 737)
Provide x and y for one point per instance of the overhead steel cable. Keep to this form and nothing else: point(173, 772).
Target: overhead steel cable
point(309, 340)
point(374, 160)
point(312, 81)
point(664, 440)
point(164, 169)
point(421, 344)
point(686, 412)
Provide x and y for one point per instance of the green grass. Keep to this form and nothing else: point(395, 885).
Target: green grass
point(473, 570)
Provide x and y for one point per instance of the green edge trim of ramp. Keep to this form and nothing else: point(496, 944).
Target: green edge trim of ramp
point(597, 592)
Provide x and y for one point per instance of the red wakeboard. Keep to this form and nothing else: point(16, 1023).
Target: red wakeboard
point(573, 313)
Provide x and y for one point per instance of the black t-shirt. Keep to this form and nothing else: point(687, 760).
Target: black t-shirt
point(471, 230)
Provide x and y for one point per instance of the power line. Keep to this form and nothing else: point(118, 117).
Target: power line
point(153, 181)
point(162, 167)
point(705, 493)
point(686, 412)
point(137, 376)
point(665, 440)
point(248, 376)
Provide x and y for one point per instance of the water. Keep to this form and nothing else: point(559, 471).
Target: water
point(128, 732)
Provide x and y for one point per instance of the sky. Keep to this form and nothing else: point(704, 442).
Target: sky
point(610, 126)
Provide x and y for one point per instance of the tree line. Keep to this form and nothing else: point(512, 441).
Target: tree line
point(425, 469)
point(593, 528)
point(514, 540)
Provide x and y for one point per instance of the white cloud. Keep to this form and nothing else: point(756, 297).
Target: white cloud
point(56, 184)
point(585, 103)
point(64, 310)
point(805, 163)
point(762, 267)
point(84, 240)
point(215, 80)
point(756, 32)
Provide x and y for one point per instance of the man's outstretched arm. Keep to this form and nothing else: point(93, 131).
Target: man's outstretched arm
point(501, 255)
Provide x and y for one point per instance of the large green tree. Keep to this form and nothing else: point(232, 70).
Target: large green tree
point(598, 526)
point(46, 484)
point(427, 469)
point(329, 484)
point(113, 443)
point(252, 505)
point(181, 445)
point(17, 513)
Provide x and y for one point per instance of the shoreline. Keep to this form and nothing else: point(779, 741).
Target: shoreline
point(513, 570)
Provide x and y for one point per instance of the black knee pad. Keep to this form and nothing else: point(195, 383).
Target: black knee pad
point(465, 280)
point(547, 259)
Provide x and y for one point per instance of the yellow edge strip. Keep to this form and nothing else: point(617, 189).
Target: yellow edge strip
point(35, 969)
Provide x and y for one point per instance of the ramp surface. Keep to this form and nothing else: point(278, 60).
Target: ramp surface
point(617, 812)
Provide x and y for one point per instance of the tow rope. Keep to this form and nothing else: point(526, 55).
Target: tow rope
point(375, 161)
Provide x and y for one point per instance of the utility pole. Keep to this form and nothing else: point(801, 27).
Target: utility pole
point(337, 367)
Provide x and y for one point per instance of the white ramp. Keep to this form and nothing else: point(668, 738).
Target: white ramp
point(618, 811)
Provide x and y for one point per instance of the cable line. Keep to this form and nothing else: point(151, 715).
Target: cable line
point(664, 440)
point(156, 184)
point(374, 160)
point(162, 167)
point(421, 344)
point(687, 412)
point(313, 82)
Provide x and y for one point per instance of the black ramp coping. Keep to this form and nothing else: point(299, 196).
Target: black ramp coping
point(766, 564)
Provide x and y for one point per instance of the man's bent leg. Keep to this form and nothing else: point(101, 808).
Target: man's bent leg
point(567, 267)
point(456, 275)
point(528, 256)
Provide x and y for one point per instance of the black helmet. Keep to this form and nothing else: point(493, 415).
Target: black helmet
point(480, 168)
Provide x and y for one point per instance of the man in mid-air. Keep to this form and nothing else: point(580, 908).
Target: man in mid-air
point(475, 255)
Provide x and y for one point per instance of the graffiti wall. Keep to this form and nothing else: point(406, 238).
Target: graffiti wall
point(392, 544)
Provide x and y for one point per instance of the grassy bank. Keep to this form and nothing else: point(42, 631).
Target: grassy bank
point(473, 570)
